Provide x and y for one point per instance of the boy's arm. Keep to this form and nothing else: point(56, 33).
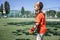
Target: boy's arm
point(33, 28)
point(37, 21)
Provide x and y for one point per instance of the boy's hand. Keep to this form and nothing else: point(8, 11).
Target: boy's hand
point(30, 32)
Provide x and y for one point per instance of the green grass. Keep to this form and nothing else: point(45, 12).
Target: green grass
point(17, 29)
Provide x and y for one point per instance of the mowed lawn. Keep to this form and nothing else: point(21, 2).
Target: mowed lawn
point(17, 29)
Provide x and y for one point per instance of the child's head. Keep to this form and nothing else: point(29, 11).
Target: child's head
point(38, 6)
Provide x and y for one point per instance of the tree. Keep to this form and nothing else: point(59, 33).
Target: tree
point(51, 13)
point(48, 13)
point(27, 13)
point(22, 11)
point(2, 9)
point(58, 14)
point(7, 7)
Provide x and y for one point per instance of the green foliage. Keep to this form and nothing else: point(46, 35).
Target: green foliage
point(7, 7)
point(1, 8)
point(22, 10)
point(27, 12)
point(58, 14)
point(51, 13)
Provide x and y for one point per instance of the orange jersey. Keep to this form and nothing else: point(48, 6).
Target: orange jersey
point(40, 18)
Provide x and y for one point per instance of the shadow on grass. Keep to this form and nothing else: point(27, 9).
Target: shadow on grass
point(53, 32)
point(22, 39)
point(21, 23)
point(53, 24)
point(26, 33)
point(17, 32)
point(5, 25)
point(59, 39)
point(21, 32)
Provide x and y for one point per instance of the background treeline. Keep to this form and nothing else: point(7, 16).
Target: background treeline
point(22, 13)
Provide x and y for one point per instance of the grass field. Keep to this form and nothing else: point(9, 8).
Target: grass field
point(17, 29)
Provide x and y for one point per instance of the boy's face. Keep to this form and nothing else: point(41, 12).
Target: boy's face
point(36, 6)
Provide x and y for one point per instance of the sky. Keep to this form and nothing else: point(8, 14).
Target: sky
point(29, 4)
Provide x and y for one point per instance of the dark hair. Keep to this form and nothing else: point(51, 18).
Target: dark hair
point(41, 5)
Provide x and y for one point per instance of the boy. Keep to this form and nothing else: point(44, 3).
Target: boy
point(40, 22)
